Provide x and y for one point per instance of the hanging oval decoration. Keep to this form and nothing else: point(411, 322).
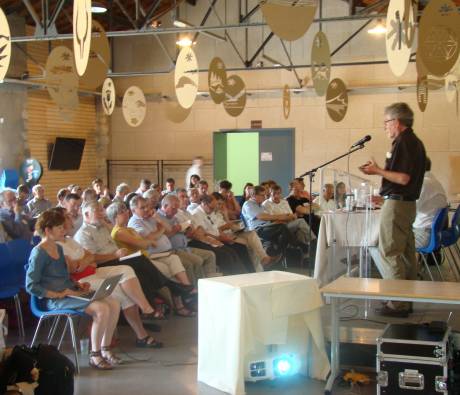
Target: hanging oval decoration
point(217, 79)
point(400, 35)
point(134, 106)
point(337, 100)
point(98, 61)
point(320, 63)
point(235, 96)
point(61, 79)
point(186, 77)
point(81, 33)
point(289, 20)
point(422, 92)
point(286, 101)
point(5, 45)
point(108, 96)
point(439, 36)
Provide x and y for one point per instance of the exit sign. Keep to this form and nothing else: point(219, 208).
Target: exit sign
point(256, 124)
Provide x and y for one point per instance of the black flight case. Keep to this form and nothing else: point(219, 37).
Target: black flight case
point(413, 359)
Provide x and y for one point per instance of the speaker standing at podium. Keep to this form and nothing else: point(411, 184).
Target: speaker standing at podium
point(402, 179)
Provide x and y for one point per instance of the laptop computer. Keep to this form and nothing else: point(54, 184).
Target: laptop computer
point(104, 290)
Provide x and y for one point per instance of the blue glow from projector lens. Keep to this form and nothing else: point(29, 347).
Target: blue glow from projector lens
point(283, 366)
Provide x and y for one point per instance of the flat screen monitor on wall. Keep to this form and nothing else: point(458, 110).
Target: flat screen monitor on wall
point(66, 154)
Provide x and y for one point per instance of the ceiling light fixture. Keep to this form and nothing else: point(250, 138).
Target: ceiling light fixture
point(98, 8)
point(185, 42)
point(275, 62)
point(378, 29)
point(183, 24)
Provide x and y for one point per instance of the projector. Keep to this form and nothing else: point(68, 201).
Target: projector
point(271, 368)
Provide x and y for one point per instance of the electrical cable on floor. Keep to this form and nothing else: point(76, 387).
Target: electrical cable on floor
point(159, 363)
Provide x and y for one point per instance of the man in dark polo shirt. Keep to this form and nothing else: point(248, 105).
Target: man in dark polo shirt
point(402, 179)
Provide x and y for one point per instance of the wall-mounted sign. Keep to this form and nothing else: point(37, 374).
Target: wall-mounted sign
point(266, 156)
point(235, 96)
point(61, 79)
point(134, 106)
point(31, 171)
point(289, 20)
point(286, 101)
point(98, 61)
point(439, 36)
point(81, 33)
point(337, 100)
point(217, 79)
point(400, 35)
point(108, 96)
point(186, 77)
point(256, 124)
point(5, 45)
point(320, 63)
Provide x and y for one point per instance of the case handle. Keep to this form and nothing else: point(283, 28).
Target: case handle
point(411, 380)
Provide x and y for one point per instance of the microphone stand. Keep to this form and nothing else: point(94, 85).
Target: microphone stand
point(311, 175)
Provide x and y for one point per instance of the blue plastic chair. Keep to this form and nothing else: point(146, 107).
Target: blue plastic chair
point(19, 251)
point(40, 311)
point(450, 236)
point(435, 241)
point(9, 284)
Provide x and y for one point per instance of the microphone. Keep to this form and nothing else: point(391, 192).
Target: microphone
point(365, 139)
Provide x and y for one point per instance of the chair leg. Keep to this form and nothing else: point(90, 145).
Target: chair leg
point(437, 266)
point(426, 266)
point(53, 328)
point(17, 302)
point(74, 342)
point(37, 330)
point(452, 264)
point(63, 334)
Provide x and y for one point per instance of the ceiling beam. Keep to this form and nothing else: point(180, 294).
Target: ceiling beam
point(34, 15)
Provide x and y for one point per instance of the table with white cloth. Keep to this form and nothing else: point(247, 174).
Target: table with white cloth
point(238, 314)
point(338, 232)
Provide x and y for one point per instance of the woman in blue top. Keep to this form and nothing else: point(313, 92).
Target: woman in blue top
point(47, 277)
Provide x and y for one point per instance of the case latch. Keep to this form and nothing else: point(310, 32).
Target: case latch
point(411, 380)
point(382, 378)
point(440, 384)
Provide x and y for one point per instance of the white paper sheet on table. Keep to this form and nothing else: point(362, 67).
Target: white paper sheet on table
point(237, 312)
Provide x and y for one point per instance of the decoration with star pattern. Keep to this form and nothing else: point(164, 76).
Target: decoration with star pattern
point(235, 96)
point(217, 79)
point(320, 63)
point(186, 77)
point(5, 45)
point(134, 106)
point(337, 100)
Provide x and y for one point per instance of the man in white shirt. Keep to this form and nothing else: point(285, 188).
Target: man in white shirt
point(194, 169)
point(144, 185)
point(276, 205)
point(326, 200)
point(72, 203)
point(39, 203)
point(432, 198)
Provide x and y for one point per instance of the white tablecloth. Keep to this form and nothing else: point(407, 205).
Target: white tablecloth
point(348, 230)
point(238, 313)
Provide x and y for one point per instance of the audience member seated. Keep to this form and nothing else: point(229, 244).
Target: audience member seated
point(98, 185)
point(195, 169)
point(131, 241)
point(326, 201)
point(276, 205)
point(62, 193)
point(128, 198)
point(203, 187)
point(38, 204)
point(120, 192)
point(300, 205)
point(143, 186)
point(432, 198)
point(233, 208)
point(128, 292)
point(246, 193)
point(170, 187)
point(15, 224)
point(152, 231)
point(153, 198)
point(72, 203)
point(23, 195)
point(202, 261)
point(274, 235)
point(340, 194)
point(194, 180)
point(156, 187)
point(248, 238)
point(194, 199)
point(76, 189)
point(47, 277)
point(88, 195)
point(227, 254)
